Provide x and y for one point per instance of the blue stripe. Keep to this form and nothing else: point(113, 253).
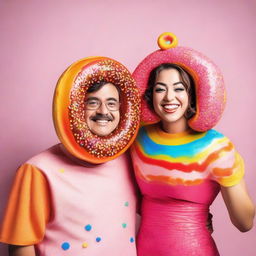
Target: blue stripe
point(185, 150)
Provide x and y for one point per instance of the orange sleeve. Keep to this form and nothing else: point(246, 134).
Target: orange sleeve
point(28, 208)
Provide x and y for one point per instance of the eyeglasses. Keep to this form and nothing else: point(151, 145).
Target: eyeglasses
point(94, 104)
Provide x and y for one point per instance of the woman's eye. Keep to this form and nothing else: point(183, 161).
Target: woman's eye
point(179, 89)
point(159, 90)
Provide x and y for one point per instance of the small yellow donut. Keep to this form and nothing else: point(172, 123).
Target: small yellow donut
point(167, 40)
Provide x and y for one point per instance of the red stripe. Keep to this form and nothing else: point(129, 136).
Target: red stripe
point(180, 166)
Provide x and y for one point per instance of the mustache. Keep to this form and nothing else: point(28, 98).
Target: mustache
point(102, 117)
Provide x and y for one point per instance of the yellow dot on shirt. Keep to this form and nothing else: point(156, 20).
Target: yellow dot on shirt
point(84, 245)
point(61, 170)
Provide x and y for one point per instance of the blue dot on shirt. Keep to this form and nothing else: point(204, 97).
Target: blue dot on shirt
point(88, 227)
point(65, 246)
point(98, 239)
point(131, 239)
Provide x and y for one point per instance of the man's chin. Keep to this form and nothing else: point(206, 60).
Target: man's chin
point(101, 130)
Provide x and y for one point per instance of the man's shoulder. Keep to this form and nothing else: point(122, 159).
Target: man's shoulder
point(46, 155)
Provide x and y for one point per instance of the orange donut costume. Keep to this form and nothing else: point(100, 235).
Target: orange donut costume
point(68, 106)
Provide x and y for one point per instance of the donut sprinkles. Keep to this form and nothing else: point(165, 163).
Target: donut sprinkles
point(115, 73)
point(209, 83)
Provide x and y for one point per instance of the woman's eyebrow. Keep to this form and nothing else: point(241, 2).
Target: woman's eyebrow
point(163, 84)
point(160, 83)
point(178, 83)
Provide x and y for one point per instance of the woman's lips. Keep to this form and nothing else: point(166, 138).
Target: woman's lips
point(170, 108)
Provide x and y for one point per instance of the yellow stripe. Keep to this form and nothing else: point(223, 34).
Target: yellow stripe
point(172, 141)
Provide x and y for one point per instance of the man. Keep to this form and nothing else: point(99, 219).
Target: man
point(63, 205)
point(102, 113)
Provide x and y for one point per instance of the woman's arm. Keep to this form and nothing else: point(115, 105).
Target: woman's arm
point(240, 206)
point(15, 250)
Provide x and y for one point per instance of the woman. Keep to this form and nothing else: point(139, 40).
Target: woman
point(180, 172)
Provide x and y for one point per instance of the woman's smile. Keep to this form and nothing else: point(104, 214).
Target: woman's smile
point(170, 107)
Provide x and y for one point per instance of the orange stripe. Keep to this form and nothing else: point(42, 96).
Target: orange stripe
point(223, 172)
point(180, 166)
point(173, 181)
point(165, 179)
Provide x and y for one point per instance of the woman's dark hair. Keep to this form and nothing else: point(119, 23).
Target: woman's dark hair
point(186, 79)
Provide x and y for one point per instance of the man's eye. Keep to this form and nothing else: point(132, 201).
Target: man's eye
point(112, 104)
point(92, 103)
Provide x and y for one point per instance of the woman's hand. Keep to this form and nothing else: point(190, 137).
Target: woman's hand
point(209, 223)
point(240, 206)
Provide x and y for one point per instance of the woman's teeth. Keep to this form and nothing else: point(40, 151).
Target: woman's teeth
point(171, 106)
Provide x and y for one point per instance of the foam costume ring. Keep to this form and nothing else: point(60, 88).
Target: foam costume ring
point(68, 109)
point(209, 83)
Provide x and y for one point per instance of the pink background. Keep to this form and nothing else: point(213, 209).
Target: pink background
point(39, 39)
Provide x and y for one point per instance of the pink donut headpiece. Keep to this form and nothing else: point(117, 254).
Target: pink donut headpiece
point(209, 83)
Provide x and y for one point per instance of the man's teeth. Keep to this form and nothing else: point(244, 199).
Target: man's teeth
point(101, 121)
point(172, 106)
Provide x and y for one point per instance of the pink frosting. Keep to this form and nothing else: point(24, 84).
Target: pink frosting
point(210, 90)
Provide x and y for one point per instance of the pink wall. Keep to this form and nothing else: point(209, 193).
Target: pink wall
point(39, 39)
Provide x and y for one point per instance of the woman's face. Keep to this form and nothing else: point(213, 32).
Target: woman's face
point(170, 98)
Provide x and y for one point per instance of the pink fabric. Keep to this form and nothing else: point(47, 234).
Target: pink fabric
point(173, 226)
point(101, 197)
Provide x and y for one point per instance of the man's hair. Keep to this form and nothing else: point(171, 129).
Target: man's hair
point(97, 86)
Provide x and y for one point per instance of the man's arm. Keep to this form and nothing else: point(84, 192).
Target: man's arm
point(15, 250)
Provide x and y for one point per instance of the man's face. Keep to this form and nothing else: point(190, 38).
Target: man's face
point(102, 113)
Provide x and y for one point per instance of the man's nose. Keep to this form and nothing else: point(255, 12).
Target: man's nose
point(102, 109)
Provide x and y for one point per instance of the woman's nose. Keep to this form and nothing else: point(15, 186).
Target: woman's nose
point(169, 95)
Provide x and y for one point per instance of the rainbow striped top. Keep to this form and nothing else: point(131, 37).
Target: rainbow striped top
point(188, 158)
